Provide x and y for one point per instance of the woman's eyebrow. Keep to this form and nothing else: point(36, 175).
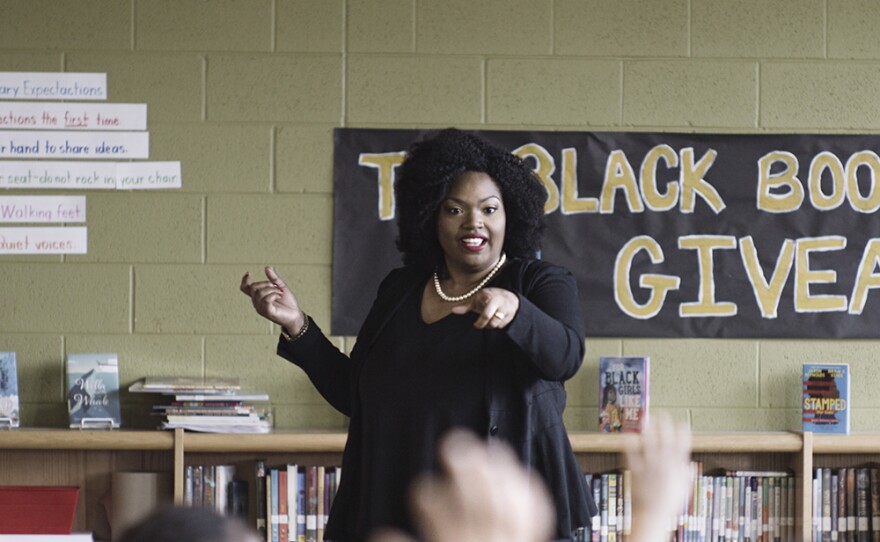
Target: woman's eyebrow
point(461, 201)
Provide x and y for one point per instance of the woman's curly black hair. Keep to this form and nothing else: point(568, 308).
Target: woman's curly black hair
point(427, 174)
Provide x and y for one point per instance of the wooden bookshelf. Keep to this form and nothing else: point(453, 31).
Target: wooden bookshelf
point(87, 458)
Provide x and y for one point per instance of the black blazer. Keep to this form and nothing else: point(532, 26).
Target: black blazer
point(531, 358)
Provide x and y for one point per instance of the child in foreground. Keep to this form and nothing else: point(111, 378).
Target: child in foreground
point(485, 495)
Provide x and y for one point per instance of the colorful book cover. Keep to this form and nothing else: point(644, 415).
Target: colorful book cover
point(623, 393)
point(9, 413)
point(93, 390)
point(826, 398)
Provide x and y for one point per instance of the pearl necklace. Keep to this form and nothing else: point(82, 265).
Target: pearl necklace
point(477, 288)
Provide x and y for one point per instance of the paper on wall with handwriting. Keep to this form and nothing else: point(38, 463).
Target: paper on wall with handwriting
point(68, 175)
point(49, 240)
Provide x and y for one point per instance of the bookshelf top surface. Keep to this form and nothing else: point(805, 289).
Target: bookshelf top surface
point(334, 442)
point(84, 439)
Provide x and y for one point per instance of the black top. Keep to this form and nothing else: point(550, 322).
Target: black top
point(418, 381)
point(523, 394)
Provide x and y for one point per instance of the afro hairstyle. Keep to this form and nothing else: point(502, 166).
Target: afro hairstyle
point(426, 176)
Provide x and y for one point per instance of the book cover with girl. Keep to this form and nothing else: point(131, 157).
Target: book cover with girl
point(623, 394)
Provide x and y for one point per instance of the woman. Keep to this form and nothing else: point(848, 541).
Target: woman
point(471, 332)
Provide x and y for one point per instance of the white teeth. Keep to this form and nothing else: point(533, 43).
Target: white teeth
point(472, 242)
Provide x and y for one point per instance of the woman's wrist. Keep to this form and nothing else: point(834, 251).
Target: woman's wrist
point(296, 329)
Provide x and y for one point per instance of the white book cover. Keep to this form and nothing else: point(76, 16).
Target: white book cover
point(9, 407)
point(93, 390)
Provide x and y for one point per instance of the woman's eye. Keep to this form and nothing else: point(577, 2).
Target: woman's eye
point(490, 210)
point(453, 210)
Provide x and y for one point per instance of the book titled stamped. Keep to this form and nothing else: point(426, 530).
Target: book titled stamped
point(93, 390)
point(9, 413)
point(623, 393)
point(826, 407)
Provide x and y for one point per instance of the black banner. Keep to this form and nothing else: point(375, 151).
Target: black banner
point(669, 235)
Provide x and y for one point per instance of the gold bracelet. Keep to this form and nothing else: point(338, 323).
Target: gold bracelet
point(298, 336)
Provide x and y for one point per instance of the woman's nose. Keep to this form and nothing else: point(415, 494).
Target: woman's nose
point(474, 221)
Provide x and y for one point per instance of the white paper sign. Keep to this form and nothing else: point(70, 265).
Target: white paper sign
point(90, 175)
point(72, 116)
point(34, 209)
point(52, 86)
point(44, 240)
point(72, 175)
point(77, 145)
point(148, 176)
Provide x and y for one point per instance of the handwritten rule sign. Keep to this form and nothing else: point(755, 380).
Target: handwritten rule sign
point(75, 145)
point(90, 175)
point(72, 116)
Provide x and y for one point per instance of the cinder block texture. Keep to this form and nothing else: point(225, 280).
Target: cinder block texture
point(700, 372)
point(48, 415)
point(414, 89)
point(253, 358)
point(726, 419)
point(622, 28)
point(315, 26)
point(867, 421)
point(279, 88)
point(815, 96)
point(304, 159)
point(312, 417)
point(852, 29)
point(583, 388)
point(11, 61)
point(758, 29)
point(137, 227)
point(192, 299)
point(273, 229)
point(169, 83)
point(197, 25)
point(782, 365)
point(690, 93)
point(206, 298)
point(65, 298)
point(381, 26)
point(39, 360)
point(73, 24)
point(522, 27)
point(217, 158)
point(553, 91)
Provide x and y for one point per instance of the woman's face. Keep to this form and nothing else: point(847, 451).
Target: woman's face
point(471, 223)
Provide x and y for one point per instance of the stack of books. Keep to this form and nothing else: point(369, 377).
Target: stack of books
point(208, 405)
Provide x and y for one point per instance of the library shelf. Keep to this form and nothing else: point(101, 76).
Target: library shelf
point(87, 458)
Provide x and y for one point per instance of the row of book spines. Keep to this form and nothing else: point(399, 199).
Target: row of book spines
point(748, 508)
point(295, 501)
point(215, 487)
point(846, 504)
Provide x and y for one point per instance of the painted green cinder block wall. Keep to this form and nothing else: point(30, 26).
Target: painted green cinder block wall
point(246, 93)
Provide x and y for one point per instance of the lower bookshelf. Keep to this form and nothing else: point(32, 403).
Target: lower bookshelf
point(87, 458)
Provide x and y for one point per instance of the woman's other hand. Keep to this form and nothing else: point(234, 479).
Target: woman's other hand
point(274, 301)
point(496, 308)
